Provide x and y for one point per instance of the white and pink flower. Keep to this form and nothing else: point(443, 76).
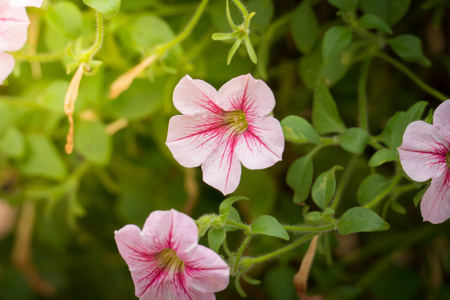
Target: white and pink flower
point(219, 130)
point(13, 31)
point(166, 262)
point(425, 154)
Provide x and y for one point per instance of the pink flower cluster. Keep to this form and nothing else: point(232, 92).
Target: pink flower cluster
point(13, 31)
point(424, 155)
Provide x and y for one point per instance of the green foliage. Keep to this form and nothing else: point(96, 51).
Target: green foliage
point(108, 8)
point(92, 142)
point(373, 188)
point(354, 140)
point(335, 39)
point(270, 226)
point(345, 5)
point(409, 48)
point(299, 177)
point(360, 219)
point(325, 116)
point(298, 130)
point(383, 156)
point(304, 27)
point(324, 187)
point(216, 238)
point(389, 11)
point(369, 21)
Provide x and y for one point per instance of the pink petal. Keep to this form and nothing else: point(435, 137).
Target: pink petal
point(18, 3)
point(205, 270)
point(246, 94)
point(195, 97)
point(422, 153)
point(435, 205)
point(191, 139)
point(6, 66)
point(171, 229)
point(441, 118)
point(13, 27)
point(262, 144)
point(222, 169)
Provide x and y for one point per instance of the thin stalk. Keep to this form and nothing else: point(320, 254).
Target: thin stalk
point(99, 39)
point(344, 181)
point(40, 57)
point(309, 228)
point(241, 8)
point(391, 186)
point(239, 254)
point(401, 67)
point(281, 250)
point(237, 224)
point(362, 94)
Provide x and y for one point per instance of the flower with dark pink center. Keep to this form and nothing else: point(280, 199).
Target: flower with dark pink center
point(167, 263)
point(221, 129)
point(425, 154)
point(13, 31)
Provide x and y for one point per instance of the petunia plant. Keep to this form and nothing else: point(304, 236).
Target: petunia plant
point(306, 155)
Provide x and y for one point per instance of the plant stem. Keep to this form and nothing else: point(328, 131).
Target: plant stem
point(362, 94)
point(98, 41)
point(391, 186)
point(412, 76)
point(239, 254)
point(344, 180)
point(237, 224)
point(40, 57)
point(309, 228)
point(281, 250)
point(241, 8)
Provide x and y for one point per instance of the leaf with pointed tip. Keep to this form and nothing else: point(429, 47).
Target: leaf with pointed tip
point(268, 225)
point(360, 219)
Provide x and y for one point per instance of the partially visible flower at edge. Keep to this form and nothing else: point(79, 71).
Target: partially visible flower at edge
point(425, 154)
point(13, 31)
point(219, 130)
point(166, 262)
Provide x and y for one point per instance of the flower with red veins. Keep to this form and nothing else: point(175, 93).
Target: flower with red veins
point(166, 262)
point(219, 130)
point(13, 31)
point(425, 154)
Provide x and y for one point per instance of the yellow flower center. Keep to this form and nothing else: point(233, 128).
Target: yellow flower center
point(236, 120)
point(169, 260)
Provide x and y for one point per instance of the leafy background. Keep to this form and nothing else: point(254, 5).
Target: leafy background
point(115, 179)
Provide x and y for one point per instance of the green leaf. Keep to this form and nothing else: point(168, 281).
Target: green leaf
point(369, 21)
point(218, 36)
point(345, 5)
point(383, 156)
point(53, 96)
point(226, 204)
point(324, 187)
point(398, 208)
point(108, 8)
point(216, 238)
point(298, 130)
point(264, 10)
point(314, 216)
point(360, 219)
point(5, 117)
point(418, 197)
point(388, 10)
point(92, 141)
point(268, 225)
point(299, 178)
point(334, 40)
point(354, 140)
point(325, 116)
point(66, 18)
point(409, 48)
point(250, 50)
point(304, 27)
point(43, 158)
point(12, 143)
point(233, 50)
point(373, 188)
point(233, 215)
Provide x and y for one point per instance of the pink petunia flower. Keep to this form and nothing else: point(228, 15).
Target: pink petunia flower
point(219, 130)
point(425, 154)
point(13, 31)
point(166, 262)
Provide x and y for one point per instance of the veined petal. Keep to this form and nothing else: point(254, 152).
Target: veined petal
point(18, 3)
point(205, 270)
point(222, 169)
point(191, 139)
point(171, 229)
point(262, 144)
point(13, 27)
point(195, 97)
point(435, 205)
point(441, 118)
point(6, 66)
point(247, 94)
point(422, 153)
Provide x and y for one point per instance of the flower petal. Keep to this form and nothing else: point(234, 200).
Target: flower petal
point(247, 94)
point(262, 144)
point(191, 139)
point(441, 117)
point(18, 3)
point(435, 205)
point(195, 96)
point(6, 66)
point(222, 169)
point(171, 229)
point(422, 153)
point(13, 27)
point(205, 270)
